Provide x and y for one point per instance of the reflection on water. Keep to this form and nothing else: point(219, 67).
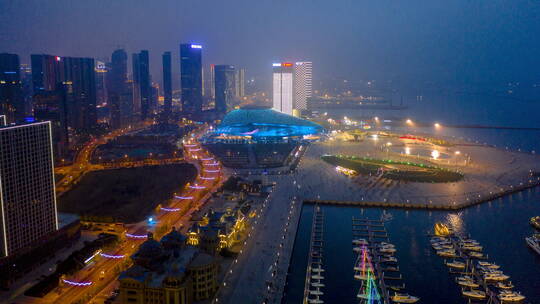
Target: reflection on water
point(500, 226)
point(455, 221)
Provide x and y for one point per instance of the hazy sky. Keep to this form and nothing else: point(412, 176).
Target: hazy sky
point(451, 40)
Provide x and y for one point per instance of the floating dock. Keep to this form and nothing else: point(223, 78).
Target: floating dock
point(313, 288)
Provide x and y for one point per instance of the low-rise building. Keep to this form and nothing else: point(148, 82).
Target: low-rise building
point(169, 272)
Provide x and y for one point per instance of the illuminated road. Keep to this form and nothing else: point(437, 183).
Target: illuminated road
point(106, 265)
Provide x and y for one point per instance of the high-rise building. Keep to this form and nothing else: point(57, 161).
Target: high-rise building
point(81, 110)
point(11, 99)
point(211, 82)
point(225, 80)
point(283, 87)
point(191, 78)
point(136, 87)
point(141, 77)
point(52, 106)
point(167, 85)
point(121, 104)
point(27, 193)
point(302, 84)
point(47, 72)
point(101, 86)
point(240, 83)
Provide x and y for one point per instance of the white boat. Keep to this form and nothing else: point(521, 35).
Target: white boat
point(317, 277)
point(488, 265)
point(387, 250)
point(316, 292)
point(474, 294)
point(503, 285)
point(317, 270)
point(534, 242)
point(510, 296)
point(476, 255)
point(404, 298)
point(467, 282)
point(456, 264)
point(388, 259)
point(495, 277)
point(472, 248)
point(318, 285)
point(359, 242)
point(315, 301)
point(448, 253)
point(375, 297)
point(385, 244)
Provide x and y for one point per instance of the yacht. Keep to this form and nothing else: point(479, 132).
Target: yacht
point(385, 244)
point(495, 277)
point(476, 255)
point(375, 297)
point(388, 259)
point(359, 242)
point(467, 281)
point(317, 269)
point(488, 265)
point(535, 222)
point(316, 292)
point(447, 253)
point(503, 285)
point(510, 296)
point(534, 242)
point(474, 294)
point(456, 264)
point(318, 285)
point(404, 298)
point(387, 250)
point(317, 277)
point(472, 247)
point(315, 301)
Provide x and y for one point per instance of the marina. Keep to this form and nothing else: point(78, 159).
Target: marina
point(375, 265)
point(408, 229)
point(480, 280)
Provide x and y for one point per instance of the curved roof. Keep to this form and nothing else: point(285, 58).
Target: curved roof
point(263, 115)
point(265, 122)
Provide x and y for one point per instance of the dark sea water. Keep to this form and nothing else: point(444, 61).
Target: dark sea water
point(500, 226)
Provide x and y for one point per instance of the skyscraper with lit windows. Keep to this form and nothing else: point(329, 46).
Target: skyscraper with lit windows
point(225, 82)
point(11, 99)
point(302, 84)
point(283, 87)
point(167, 85)
point(27, 193)
point(191, 78)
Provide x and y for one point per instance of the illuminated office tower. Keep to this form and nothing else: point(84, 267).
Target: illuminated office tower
point(11, 99)
point(191, 78)
point(101, 87)
point(283, 87)
point(302, 84)
point(240, 83)
point(119, 95)
point(80, 74)
point(27, 193)
point(211, 81)
point(47, 72)
point(141, 78)
point(167, 85)
point(225, 80)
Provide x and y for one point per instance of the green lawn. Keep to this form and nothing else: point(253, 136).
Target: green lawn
point(129, 194)
point(396, 170)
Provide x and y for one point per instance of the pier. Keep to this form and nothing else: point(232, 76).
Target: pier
point(424, 206)
point(375, 264)
point(314, 272)
point(472, 268)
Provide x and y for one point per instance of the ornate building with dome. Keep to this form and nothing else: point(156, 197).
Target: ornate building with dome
point(169, 272)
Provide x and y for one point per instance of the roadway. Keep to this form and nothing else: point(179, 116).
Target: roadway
point(103, 269)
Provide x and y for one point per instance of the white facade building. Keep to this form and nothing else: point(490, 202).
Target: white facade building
point(283, 87)
point(302, 84)
point(27, 192)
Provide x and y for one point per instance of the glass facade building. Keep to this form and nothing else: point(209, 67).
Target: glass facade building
point(191, 78)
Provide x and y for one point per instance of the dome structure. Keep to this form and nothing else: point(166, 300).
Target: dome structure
point(150, 249)
point(264, 122)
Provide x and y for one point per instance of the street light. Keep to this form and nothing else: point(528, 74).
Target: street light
point(437, 125)
point(409, 122)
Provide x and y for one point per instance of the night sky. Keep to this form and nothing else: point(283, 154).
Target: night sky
point(441, 41)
